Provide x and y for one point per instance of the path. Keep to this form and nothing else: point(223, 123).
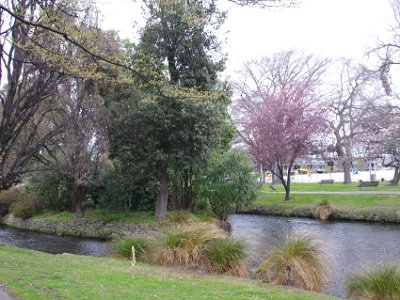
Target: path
point(4, 295)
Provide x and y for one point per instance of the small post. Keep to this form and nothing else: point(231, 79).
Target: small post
point(133, 261)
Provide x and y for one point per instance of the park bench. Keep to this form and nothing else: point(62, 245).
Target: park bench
point(327, 181)
point(368, 184)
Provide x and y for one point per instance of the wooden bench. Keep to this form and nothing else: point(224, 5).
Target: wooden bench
point(327, 181)
point(368, 184)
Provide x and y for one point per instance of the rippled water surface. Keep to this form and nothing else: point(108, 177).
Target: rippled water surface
point(52, 243)
point(351, 246)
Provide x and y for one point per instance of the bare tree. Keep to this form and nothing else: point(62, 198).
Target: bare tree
point(352, 100)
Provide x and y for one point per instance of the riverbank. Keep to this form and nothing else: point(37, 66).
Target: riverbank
point(35, 275)
point(354, 206)
point(85, 227)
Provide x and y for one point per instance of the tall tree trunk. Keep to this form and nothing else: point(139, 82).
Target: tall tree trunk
point(347, 172)
point(396, 176)
point(162, 195)
point(77, 196)
point(287, 185)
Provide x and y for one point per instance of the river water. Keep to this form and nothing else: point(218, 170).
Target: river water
point(52, 243)
point(351, 246)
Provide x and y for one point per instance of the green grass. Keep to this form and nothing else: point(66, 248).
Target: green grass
point(139, 217)
point(334, 187)
point(344, 201)
point(33, 275)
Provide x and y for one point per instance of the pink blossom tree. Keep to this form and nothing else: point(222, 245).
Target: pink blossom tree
point(283, 127)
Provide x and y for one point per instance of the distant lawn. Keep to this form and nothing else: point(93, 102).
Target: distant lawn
point(335, 187)
point(342, 201)
point(35, 275)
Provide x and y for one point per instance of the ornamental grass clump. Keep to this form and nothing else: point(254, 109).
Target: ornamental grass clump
point(382, 283)
point(143, 248)
point(226, 256)
point(180, 217)
point(324, 210)
point(184, 245)
point(296, 260)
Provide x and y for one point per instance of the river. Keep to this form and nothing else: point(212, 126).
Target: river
point(351, 246)
point(52, 243)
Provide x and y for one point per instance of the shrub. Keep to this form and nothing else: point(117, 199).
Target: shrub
point(143, 248)
point(184, 245)
point(297, 261)
point(382, 283)
point(7, 198)
point(226, 256)
point(21, 209)
point(229, 183)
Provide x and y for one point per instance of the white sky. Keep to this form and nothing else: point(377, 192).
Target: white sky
point(332, 28)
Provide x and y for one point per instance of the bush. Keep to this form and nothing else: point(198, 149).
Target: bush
point(229, 182)
point(382, 283)
point(226, 256)
point(50, 189)
point(7, 198)
point(21, 209)
point(297, 261)
point(143, 248)
point(184, 245)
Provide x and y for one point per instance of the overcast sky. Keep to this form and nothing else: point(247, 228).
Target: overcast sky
point(333, 28)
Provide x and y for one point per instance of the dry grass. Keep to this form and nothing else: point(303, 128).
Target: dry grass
point(226, 256)
point(382, 283)
point(324, 212)
point(184, 244)
point(298, 261)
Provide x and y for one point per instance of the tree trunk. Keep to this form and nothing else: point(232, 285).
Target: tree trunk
point(77, 196)
point(262, 174)
point(287, 185)
point(162, 195)
point(347, 172)
point(396, 176)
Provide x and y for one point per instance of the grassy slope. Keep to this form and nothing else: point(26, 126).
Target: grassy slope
point(36, 275)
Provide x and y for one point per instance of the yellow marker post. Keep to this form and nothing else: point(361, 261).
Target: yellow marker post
point(133, 261)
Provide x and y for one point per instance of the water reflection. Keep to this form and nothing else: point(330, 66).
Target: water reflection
point(351, 246)
point(52, 243)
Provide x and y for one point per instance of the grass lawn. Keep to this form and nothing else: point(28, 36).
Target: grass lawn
point(343, 201)
point(36, 275)
point(334, 187)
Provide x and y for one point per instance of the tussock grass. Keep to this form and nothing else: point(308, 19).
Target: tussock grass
point(226, 256)
point(184, 244)
point(181, 217)
point(382, 283)
point(295, 260)
point(144, 248)
point(323, 212)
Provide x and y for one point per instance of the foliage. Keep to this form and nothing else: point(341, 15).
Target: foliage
point(184, 245)
point(50, 189)
point(229, 182)
point(382, 283)
point(295, 260)
point(21, 210)
point(226, 256)
point(143, 248)
point(7, 198)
